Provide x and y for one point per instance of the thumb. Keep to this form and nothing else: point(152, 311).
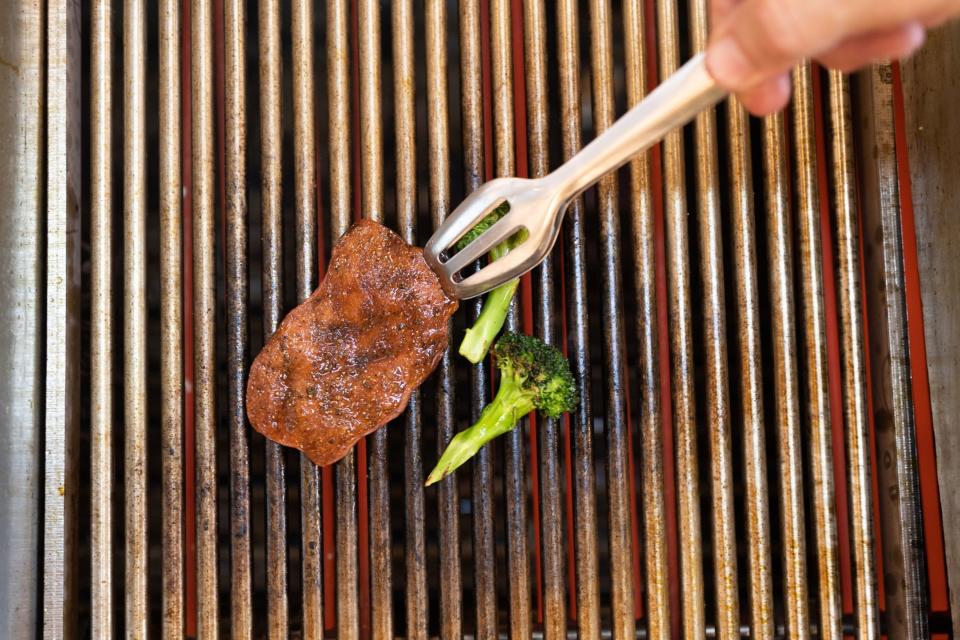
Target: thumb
point(762, 39)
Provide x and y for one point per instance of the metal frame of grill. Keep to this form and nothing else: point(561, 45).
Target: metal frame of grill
point(745, 458)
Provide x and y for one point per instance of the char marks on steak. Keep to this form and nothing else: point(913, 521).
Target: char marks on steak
point(345, 362)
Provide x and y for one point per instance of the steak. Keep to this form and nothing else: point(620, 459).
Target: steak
point(345, 362)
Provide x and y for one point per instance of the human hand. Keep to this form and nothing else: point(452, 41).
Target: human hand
point(755, 43)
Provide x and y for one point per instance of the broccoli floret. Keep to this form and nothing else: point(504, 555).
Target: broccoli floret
point(483, 225)
point(540, 369)
point(479, 337)
point(533, 375)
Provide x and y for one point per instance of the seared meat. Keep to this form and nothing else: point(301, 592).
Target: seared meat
point(345, 362)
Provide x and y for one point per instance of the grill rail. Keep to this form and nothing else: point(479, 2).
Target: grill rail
point(740, 350)
point(101, 320)
point(853, 359)
point(901, 523)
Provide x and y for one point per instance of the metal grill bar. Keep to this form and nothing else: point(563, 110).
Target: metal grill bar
point(338, 87)
point(518, 559)
point(371, 135)
point(338, 90)
point(451, 623)
point(743, 230)
point(371, 177)
point(813, 339)
point(641, 634)
point(588, 588)
point(204, 314)
point(902, 525)
point(62, 378)
point(23, 236)
point(681, 343)
point(482, 508)
point(501, 70)
point(271, 230)
point(135, 318)
point(491, 120)
point(101, 320)
point(858, 447)
point(780, 267)
point(237, 288)
point(645, 283)
point(551, 491)
point(404, 82)
point(618, 470)
point(171, 320)
point(715, 340)
point(305, 187)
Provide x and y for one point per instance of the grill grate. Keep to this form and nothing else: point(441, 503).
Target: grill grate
point(717, 479)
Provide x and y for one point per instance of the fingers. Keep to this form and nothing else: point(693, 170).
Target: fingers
point(720, 8)
point(760, 39)
point(773, 94)
point(768, 97)
point(857, 52)
point(941, 13)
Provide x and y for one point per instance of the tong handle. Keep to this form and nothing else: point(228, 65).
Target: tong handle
point(671, 105)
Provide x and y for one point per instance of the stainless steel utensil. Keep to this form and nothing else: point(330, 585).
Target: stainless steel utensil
point(538, 205)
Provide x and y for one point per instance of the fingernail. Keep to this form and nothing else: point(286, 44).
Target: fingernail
point(728, 64)
point(917, 35)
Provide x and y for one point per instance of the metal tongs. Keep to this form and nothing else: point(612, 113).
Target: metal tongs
point(538, 205)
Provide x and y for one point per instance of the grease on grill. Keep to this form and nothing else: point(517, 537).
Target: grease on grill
point(345, 362)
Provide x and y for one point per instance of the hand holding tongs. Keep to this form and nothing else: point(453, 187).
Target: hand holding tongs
point(538, 205)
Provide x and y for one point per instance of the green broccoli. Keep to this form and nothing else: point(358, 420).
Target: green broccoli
point(533, 375)
point(479, 337)
point(483, 225)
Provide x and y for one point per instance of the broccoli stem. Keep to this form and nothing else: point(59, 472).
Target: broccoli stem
point(478, 338)
point(500, 416)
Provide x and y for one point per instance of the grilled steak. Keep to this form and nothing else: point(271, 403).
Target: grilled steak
point(345, 362)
